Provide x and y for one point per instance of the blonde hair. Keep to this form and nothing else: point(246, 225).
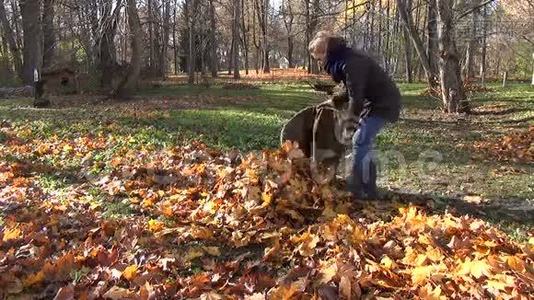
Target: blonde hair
point(320, 41)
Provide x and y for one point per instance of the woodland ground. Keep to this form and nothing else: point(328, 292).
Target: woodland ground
point(250, 119)
point(48, 146)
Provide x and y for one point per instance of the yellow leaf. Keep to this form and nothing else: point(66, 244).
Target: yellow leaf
point(421, 274)
point(495, 285)
point(155, 225)
point(500, 282)
point(434, 254)
point(34, 279)
point(130, 272)
point(328, 271)
point(475, 268)
point(267, 198)
point(307, 243)
point(388, 263)
point(12, 234)
point(429, 293)
point(67, 148)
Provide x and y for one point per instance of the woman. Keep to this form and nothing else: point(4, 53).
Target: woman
point(371, 91)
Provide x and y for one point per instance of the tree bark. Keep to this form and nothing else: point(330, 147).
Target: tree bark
point(165, 41)
point(408, 48)
point(213, 40)
point(106, 43)
point(245, 35)
point(190, 7)
point(9, 35)
point(472, 45)
point(432, 41)
point(452, 91)
point(288, 18)
point(174, 43)
point(484, 47)
point(49, 36)
point(262, 9)
point(129, 82)
point(236, 38)
point(33, 46)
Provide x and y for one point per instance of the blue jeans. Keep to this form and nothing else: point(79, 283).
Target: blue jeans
point(363, 180)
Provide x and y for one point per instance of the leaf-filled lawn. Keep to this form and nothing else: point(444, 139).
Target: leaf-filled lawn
point(189, 222)
point(146, 200)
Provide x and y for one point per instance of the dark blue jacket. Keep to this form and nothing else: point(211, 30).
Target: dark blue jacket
point(370, 89)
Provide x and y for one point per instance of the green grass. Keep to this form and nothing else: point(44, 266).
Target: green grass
point(251, 120)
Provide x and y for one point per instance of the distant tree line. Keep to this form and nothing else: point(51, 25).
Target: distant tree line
point(446, 43)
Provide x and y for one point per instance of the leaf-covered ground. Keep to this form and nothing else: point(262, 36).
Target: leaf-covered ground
point(120, 201)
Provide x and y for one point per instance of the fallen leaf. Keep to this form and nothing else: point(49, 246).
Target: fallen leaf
point(118, 293)
point(130, 272)
point(475, 268)
point(12, 234)
point(213, 251)
point(65, 293)
point(155, 225)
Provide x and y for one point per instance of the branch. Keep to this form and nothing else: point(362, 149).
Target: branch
point(470, 11)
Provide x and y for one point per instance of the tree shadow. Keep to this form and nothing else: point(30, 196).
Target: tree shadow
point(513, 211)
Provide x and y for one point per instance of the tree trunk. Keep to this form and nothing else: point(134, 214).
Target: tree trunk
point(129, 83)
point(408, 56)
point(165, 40)
point(484, 47)
point(452, 91)
point(48, 33)
point(174, 43)
point(9, 35)
point(31, 26)
point(245, 35)
point(236, 38)
point(106, 42)
point(213, 40)
point(432, 42)
point(408, 48)
point(190, 14)
point(150, 23)
point(308, 34)
point(264, 22)
point(472, 45)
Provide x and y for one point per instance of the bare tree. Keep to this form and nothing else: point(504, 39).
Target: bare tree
point(416, 39)
point(288, 16)
point(129, 82)
point(11, 41)
point(236, 38)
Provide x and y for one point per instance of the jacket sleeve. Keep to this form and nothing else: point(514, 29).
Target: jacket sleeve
point(356, 72)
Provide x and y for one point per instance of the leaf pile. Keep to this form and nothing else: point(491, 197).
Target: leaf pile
point(193, 222)
point(517, 146)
